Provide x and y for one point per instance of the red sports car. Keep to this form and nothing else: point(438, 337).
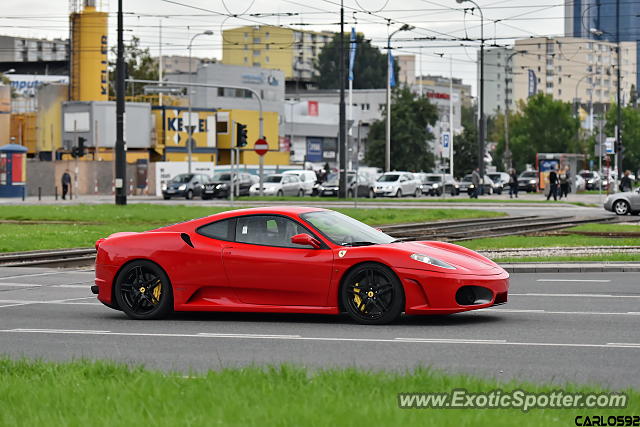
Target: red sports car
point(294, 260)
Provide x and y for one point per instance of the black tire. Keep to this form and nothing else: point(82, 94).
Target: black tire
point(135, 291)
point(301, 193)
point(166, 197)
point(453, 193)
point(189, 195)
point(621, 207)
point(372, 194)
point(382, 289)
point(280, 193)
point(399, 193)
point(206, 197)
point(418, 193)
point(635, 213)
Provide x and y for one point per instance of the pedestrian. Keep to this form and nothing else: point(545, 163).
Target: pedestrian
point(66, 183)
point(513, 184)
point(564, 179)
point(625, 182)
point(475, 180)
point(553, 184)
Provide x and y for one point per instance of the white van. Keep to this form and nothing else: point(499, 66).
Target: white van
point(307, 178)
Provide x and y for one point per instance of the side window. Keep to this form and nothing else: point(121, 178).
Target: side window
point(268, 230)
point(302, 177)
point(221, 230)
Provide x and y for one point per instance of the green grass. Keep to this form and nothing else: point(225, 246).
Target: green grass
point(107, 219)
point(608, 228)
point(591, 258)
point(546, 241)
point(106, 394)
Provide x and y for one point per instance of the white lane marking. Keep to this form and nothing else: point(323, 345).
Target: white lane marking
point(36, 285)
point(37, 274)
point(533, 294)
point(575, 280)
point(69, 301)
point(600, 313)
point(326, 339)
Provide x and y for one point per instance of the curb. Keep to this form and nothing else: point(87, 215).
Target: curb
point(579, 267)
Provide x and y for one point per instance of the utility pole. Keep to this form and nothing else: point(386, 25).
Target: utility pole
point(121, 149)
point(342, 140)
point(619, 145)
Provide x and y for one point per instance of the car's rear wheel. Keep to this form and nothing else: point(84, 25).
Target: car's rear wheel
point(189, 195)
point(372, 294)
point(399, 193)
point(418, 193)
point(621, 207)
point(280, 193)
point(143, 291)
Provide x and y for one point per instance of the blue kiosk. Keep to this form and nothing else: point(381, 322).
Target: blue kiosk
point(13, 170)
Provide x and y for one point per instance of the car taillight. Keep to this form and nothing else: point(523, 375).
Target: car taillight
point(99, 241)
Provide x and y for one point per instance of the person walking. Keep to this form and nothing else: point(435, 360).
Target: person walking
point(513, 184)
point(625, 182)
point(564, 179)
point(475, 180)
point(66, 183)
point(553, 184)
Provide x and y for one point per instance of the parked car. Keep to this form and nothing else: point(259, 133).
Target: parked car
point(501, 181)
point(307, 178)
point(397, 184)
point(185, 185)
point(528, 181)
point(364, 185)
point(624, 203)
point(433, 185)
point(220, 184)
point(592, 179)
point(279, 185)
point(580, 184)
point(466, 185)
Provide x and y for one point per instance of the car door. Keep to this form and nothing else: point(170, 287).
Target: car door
point(634, 200)
point(264, 267)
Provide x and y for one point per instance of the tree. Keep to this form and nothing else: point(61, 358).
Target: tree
point(369, 69)
point(410, 116)
point(465, 146)
point(630, 134)
point(542, 125)
point(139, 64)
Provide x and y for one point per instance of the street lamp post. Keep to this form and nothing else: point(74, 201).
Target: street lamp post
point(481, 95)
point(507, 153)
point(387, 147)
point(190, 125)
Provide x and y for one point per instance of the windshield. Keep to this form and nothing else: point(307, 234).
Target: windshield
point(335, 179)
point(388, 178)
point(345, 231)
point(587, 174)
point(495, 177)
point(222, 177)
point(528, 175)
point(273, 178)
point(467, 178)
point(434, 178)
point(185, 177)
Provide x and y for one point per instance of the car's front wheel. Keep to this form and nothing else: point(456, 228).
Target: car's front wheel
point(143, 291)
point(621, 207)
point(372, 294)
point(418, 193)
point(399, 193)
point(372, 194)
point(189, 195)
point(301, 193)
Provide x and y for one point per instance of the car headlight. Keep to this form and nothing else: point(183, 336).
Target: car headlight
point(164, 187)
point(590, 181)
point(435, 185)
point(182, 187)
point(457, 186)
point(532, 181)
point(431, 261)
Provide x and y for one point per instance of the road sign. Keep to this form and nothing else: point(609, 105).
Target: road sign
point(261, 147)
point(609, 143)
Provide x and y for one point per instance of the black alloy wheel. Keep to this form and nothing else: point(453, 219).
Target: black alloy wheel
point(372, 294)
point(143, 291)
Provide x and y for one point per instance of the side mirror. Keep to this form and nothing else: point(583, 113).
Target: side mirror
point(305, 239)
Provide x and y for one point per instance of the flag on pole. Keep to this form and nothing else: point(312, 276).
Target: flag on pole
point(352, 52)
point(392, 76)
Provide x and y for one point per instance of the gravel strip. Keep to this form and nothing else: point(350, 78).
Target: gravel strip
point(559, 251)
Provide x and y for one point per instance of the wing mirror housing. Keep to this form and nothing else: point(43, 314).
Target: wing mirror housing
point(305, 239)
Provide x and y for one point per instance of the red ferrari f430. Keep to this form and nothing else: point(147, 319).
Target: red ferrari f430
point(290, 260)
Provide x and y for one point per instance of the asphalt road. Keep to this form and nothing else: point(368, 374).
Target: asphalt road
point(580, 328)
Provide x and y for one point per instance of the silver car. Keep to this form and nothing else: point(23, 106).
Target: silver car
point(279, 185)
point(624, 203)
point(397, 184)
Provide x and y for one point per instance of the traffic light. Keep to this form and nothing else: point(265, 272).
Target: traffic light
point(78, 151)
point(241, 135)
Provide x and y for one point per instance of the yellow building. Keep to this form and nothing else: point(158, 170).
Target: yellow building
point(214, 135)
point(292, 51)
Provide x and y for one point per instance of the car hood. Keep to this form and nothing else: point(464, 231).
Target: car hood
point(270, 184)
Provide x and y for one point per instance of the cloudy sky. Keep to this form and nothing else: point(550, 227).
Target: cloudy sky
point(449, 22)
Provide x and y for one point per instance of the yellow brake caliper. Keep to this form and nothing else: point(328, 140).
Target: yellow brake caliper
point(157, 291)
point(357, 298)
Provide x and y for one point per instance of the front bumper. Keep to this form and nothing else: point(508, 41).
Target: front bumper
point(171, 192)
point(428, 292)
point(385, 192)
